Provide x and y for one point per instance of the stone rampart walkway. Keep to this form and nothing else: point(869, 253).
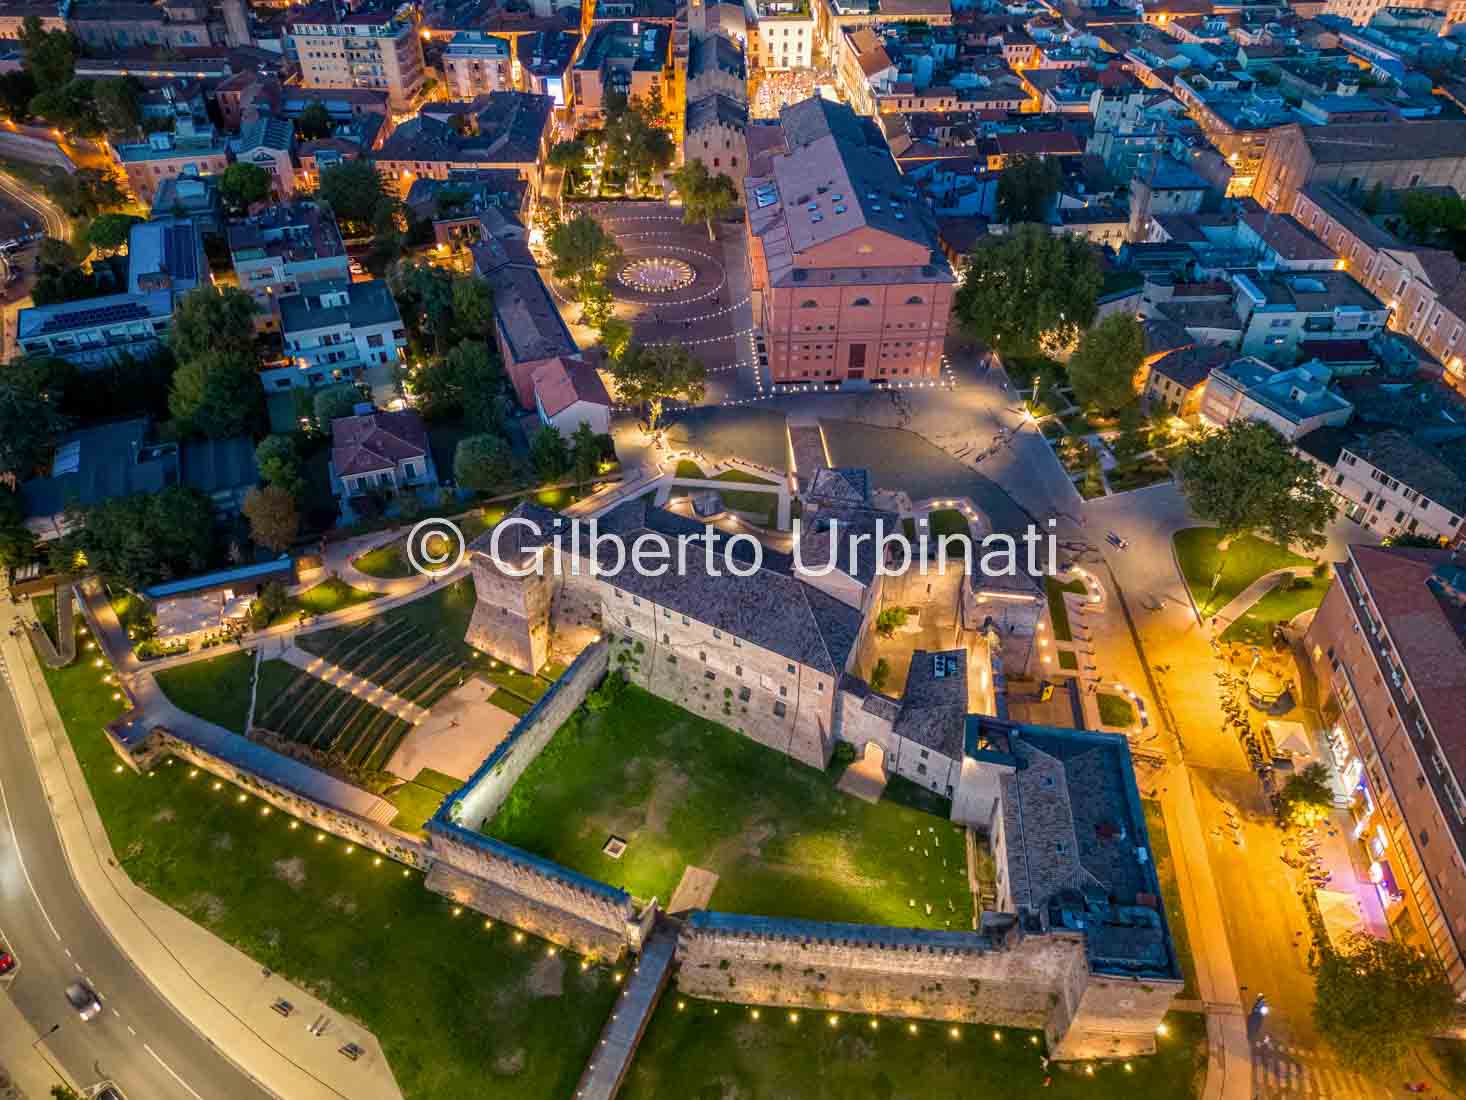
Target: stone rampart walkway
point(53, 654)
point(612, 1056)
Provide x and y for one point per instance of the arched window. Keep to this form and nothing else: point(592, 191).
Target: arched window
point(809, 303)
point(914, 300)
point(861, 302)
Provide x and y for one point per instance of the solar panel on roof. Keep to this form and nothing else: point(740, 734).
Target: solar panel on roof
point(90, 318)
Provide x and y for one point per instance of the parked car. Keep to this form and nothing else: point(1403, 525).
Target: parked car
point(109, 1092)
point(85, 1000)
point(7, 962)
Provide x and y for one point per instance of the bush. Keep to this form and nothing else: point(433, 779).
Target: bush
point(843, 756)
point(268, 605)
point(609, 691)
point(891, 620)
point(880, 674)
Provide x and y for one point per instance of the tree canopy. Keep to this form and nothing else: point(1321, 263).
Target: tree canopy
point(59, 277)
point(314, 122)
point(278, 460)
point(1027, 288)
point(1026, 189)
point(334, 402)
point(119, 104)
point(582, 252)
point(548, 453)
point(1104, 369)
point(243, 184)
point(148, 537)
point(1378, 998)
point(50, 55)
point(1306, 798)
point(467, 382)
point(29, 422)
point(273, 519)
point(109, 232)
point(1246, 477)
point(209, 320)
point(355, 193)
point(482, 462)
point(655, 375)
point(636, 143)
point(705, 197)
point(217, 394)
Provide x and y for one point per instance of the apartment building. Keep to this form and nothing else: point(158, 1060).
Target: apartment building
point(335, 331)
point(849, 281)
point(509, 130)
point(1388, 651)
point(627, 59)
point(781, 34)
point(282, 249)
point(96, 332)
point(1280, 309)
point(475, 63)
point(194, 148)
point(1294, 401)
point(1389, 481)
point(370, 48)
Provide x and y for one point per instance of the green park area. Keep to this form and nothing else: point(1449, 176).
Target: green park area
point(702, 1049)
point(1115, 710)
point(328, 596)
point(1058, 612)
point(681, 790)
point(1289, 598)
point(216, 690)
point(385, 562)
point(1246, 558)
point(363, 933)
point(419, 798)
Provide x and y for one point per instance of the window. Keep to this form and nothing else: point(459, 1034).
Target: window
point(783, 692)
point(790, 669)
point(809, 303)
point(861, 302)
point(780, 709)
point(914, 300)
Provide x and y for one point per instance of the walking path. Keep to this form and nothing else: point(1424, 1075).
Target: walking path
point(368, 690)
point(60, 651)
point(634, 1008)
point(221, 991)
point(1239, 604)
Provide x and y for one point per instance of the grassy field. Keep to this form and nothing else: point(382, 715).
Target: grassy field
point(946, 521)
point(1115, 710)
point(505, 699)
point(1246, 559)
point(688, 468)
point(1255, 626)
point(1068, 660)
point(366, 937)
point(1165, 868)
point(1057, 611)
point(706, 1051)
point(216, 690)
point(681, 790)
point(275, 677)
point(745, 477)
point(328, 596)
point(44, 608)
point(763, 507)
point(415, 804)
point(443, 615)
point(385, 562)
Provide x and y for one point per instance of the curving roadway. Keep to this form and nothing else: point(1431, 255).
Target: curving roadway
point(139, 1041)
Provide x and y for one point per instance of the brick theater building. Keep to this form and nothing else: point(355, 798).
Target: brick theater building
point(849, 282)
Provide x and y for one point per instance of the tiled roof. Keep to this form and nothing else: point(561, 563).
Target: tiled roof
point(559, 384)
point(376, 441)
point(1191, 366)
point(1371, 142)
point(934, 705)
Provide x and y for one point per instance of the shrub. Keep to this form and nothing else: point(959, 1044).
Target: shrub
point(609, 691)
point(844, 754)
point(880, 674)
point(891, 620)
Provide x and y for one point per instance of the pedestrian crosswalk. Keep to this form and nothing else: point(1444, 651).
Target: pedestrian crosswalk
point(1284, 1073)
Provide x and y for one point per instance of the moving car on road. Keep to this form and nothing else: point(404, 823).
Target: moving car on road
point(7, 961)
point(86, 1002)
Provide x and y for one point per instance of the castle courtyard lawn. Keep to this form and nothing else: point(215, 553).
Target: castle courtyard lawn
point(682, 790)
point(710, 1051)
point(460, 1010)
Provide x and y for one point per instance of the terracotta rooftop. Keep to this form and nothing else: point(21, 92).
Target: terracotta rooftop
point(560, 383)
point(376, 441)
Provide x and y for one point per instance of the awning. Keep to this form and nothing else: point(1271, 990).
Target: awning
point(1290, 738)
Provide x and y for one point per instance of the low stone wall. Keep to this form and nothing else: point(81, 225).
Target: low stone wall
point(514, 905)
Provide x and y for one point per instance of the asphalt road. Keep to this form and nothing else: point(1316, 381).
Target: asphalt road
point(139, 1041)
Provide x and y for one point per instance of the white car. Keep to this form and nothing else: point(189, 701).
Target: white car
point(85, 1000)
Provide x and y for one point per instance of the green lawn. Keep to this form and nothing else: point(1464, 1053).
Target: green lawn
point(216, 690)
point(688, 468)
point(367, 937)
point(514, 704)
point(275, 676)
point(682, 790)
point(946, 521)
point(703, 1050)
point(386, 562)
point(330, 595)
point(1247, 558)
point(415, 804)
point(1068, 660)
point(132, 612)
point(764, 507)
point(1115, 710)
point(44, 608)
point(441, 782)
point(1057, 611)
point(444, 615)
point(745, 477)
point(1165, 869)
point(1255, 626)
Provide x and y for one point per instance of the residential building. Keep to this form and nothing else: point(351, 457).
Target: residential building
point(367, 48)
point(849, 281)
point(1353, 158)
point(569, 393)
point(629, 59)
point(1390, 482)
point(1294, 401)
point(95, 465)
point(190, 196)
point(193, 148)
point(384, 452)
point(1279, 310)
point(503, 130)
point(97, 332)
point(166, 254)
point(863, 67)
point(462, 206)
point(476, 63)
point(781, 34)
point(1162, 185)
point(337, 331)
point(545, 61)
point(269, 143)
point(1387, 649)
point(282, 249)
point(1177, 379)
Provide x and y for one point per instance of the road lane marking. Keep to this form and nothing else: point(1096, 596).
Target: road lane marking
point(171, 1073)
point(24, 870)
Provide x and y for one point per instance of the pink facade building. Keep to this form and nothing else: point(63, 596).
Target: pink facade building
point(849, 282)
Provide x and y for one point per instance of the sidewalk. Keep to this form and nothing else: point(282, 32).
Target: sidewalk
point(222, 992)
point(1237, 606)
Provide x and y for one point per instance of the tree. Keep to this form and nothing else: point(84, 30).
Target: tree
point(1246, 477)
point(652, 376)
point(118, 104)
point(269, 605)
point(242, 185)
point(212, 320)
point(17, 89)
point(473, 308)
point(354, 190)
point(569, 155)
point(334, 402)
point(217, 395)
point(59, 277)
point(1026, 189)
point(482, 462)
point(147, 537)
point(585, 453)
point(1306, 798)
point(597, 305)
point(314, 122)
point(29, 423)
point(109, 232)
point(71, 106)
point(468, 381)
point(582, 252)
point(87, 191)
point(705, 197)
point(278, 461)
point(615, 338)
point(273, 519)
point(1026, 286)
point(1104, 369)
point(17, 545)
point(50, 56)
point(1378, 998)
point(548, 453)
point(424, 295)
